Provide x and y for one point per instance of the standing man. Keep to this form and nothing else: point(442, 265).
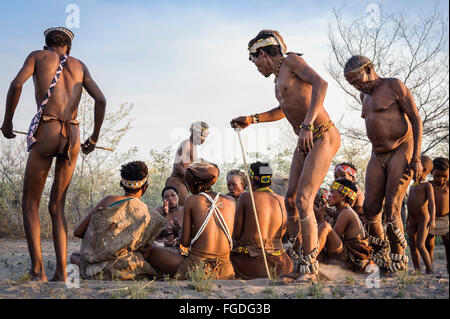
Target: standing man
point(394, 128)
point(185, 155)
point(58, 80)
point(300, 92)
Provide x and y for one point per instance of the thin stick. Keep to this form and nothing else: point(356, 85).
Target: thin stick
point(99, 147)
point(253, 204)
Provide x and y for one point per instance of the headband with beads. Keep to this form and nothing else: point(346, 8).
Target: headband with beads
point(133, 184)
point(344, 190)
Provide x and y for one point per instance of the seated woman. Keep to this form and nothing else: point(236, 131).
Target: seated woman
point(173, 214)
point(118, 230)
point(206, 234)
point(236, 183)
point(346, 242)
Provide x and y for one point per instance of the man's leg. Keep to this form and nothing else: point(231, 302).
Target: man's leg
point(398, 179)
point(35, 176)
point(63, 176)
point(315, 168)
point(373, 202)
point(293, 218)
point(163, 259)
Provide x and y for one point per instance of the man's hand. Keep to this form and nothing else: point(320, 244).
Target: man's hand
point(241, 122)
point(305, 141)
point(416, 167)
point(87, 146)
point(431, 224)
point(7, 130)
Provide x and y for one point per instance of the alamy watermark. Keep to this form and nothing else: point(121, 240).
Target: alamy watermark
point(73, 276)
point(373, 15)
point(73, 17)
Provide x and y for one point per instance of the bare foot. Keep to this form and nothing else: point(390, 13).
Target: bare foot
point(308, 278)
point(59, 277)
point(37, 277)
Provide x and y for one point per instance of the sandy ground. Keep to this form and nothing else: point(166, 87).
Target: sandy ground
point(14, 283)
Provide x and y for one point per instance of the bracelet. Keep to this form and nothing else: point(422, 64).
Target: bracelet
point(308, 127)
point(184, 251)
point(255, 118)
point(92, 142)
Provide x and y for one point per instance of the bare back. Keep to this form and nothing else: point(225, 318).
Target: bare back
point(271, 216)
point(348, 225)
point(387, 124)
point(66, 96)
point(213, 239)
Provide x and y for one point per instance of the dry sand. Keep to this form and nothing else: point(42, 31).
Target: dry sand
point(14, 263)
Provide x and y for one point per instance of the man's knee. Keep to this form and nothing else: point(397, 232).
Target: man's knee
point(54, 208)
point(304, 202)
point(290, 199)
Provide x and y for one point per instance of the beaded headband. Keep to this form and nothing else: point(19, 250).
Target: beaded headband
point(273, 40)
point(345, 169)
point(265, 179)
point(64, 30)
point(200, 126)
point(344, 190)
point(359, 68)
point(133, 184)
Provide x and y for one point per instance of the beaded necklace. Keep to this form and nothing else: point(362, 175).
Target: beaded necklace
point(277, 68)
point(262, 189)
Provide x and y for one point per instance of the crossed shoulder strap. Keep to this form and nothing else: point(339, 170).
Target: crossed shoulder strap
point(213, 209)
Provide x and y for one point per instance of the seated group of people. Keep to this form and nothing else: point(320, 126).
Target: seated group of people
point(123, 238)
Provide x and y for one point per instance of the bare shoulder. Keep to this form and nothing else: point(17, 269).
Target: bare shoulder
point(294, 61)
point(228, 198)
point(397, 86)
point(347, 213)
point(108, 200)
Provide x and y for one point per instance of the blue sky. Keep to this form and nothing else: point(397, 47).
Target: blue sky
point(180, 61)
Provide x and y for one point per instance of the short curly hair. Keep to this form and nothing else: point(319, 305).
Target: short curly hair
point(356, 62)
point(133, 171)
point(57, 39)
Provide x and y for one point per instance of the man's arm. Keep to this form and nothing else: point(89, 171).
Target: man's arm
point(406, 102)
point(273, 115)
point(13, 96)
point(303, 71)
point(99, 109)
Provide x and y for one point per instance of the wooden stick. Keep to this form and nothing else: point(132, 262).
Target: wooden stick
point(253, 203)
point(99, 147)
